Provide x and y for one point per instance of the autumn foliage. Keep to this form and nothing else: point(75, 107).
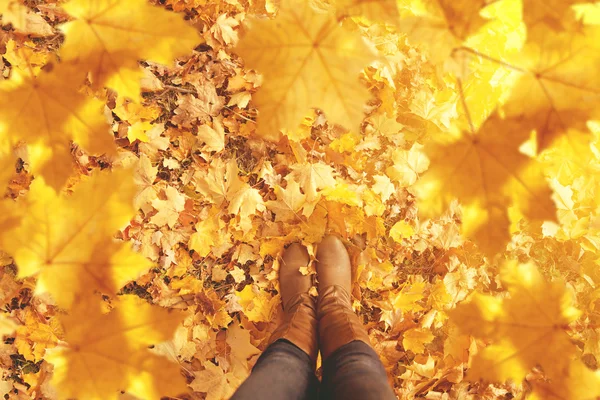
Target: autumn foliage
point(156, 156)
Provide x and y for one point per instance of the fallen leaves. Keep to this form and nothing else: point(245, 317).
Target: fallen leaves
point(312, 177)
point(397, 125)
point(213, 381)
point(209, 233)
point(222, 183)
point(168, 208)
point(415, 339)
point(257, 306)
point(289, 203)
point(23, 19)
point(408, 165)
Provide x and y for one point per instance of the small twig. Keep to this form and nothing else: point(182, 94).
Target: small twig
point(239, 115)
point(179, 89)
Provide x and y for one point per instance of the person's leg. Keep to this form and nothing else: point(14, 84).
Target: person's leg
point(283, 371)
point(351, 368)
point(354, 371)
point(286, 369)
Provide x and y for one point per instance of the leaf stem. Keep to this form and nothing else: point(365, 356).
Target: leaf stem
point(464, 104)
point(489, 58)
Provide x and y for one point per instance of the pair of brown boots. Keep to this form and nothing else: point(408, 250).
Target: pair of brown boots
point(329, 324)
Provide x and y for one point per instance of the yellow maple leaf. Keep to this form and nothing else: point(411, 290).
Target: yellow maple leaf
point(314, 229)
point(67, 239)
point(289, 202)
point(439, 298)
point(23, 19)
point(213, 138)
point(7, 326)
point(572, 156)
point(137, 131)
point(400, 230)
point(551, 92)
point(109, 37)
point(383, 186)
point(213, 182)
point(238, 274)
point(487, 173)
point(406, 299)
point(565, 206)
point(578, 383)
point(373, 205)
point(245, 202)
point(459, 281)
point(374, 10)
point(144, 177)
point(215, 382)
point(344, 193)
point(527, 329)
point(312, 178)
point(209, 233)
point(213, 309)
point(187, 285)
point(139, 118)
point(10, 217)
point(7, 162)
point(221, 183)
point(25, 58)
point(345, 143)
point(257, 305)
point(553, 12)
point(242, 349)
point(48, 111)
point(168, 208)
point(456, 345)
point(307, 60)
point(415, 339)
point(373, 273)
point(440, 25)
point(574, 171)
point(110, 266)
point(109, 352)
point(387, 127)
point(408, 165)
point(37, 335)
point(423, 366)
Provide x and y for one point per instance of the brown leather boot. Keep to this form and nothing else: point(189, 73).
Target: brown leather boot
point(338, 324)
point(300, 321)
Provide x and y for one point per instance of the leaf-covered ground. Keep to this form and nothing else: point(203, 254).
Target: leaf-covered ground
point(449, 113)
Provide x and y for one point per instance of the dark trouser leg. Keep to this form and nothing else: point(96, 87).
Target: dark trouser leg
point(354, 372)
point(282, 372)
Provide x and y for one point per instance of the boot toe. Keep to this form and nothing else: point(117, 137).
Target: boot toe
point(295, 254)
point(291, 280)
point(333, 263)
